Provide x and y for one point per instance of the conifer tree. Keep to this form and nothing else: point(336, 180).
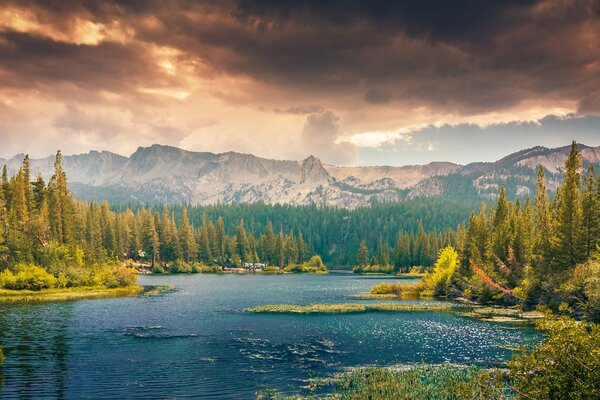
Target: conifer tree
point(243, 249)
point(186, 237)
point(590, 212)
point(363, 254)
point(568, 246)
point(3, 227)
point(542, 223)
point(220, 241)
point(204, 250)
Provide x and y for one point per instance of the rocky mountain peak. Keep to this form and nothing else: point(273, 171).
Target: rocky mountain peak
point(312, 170)
point(159, 173)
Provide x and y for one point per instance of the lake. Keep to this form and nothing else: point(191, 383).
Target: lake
point(197, 342)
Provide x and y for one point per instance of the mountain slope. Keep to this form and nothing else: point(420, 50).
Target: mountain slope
point(169, 174)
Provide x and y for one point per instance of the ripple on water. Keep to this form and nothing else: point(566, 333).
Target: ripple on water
point(190, 344)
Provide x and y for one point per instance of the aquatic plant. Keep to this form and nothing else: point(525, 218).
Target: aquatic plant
point(433, 382)
point(64, 294)
point(349, 308)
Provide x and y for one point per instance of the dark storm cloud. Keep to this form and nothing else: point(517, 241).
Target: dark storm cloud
point(463, 57)
point(34, 61)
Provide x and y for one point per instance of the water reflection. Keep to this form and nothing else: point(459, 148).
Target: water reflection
point(35, 338)
point(197, 342)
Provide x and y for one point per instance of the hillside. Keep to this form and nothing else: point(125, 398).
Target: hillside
point(160, 173)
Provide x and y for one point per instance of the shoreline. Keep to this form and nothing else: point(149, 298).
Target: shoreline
point(67, 294)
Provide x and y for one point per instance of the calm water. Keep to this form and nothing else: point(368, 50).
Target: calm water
point(198, 342)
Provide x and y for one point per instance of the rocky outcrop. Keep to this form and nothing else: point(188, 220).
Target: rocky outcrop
point(169, 174)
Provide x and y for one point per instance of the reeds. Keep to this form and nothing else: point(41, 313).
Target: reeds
point(346, 308)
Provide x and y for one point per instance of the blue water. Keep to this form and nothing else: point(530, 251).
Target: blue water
point(197, 342)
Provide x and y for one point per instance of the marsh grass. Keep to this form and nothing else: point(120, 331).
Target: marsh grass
point(401, 290)
point(500, 314)
point(434, 382)
point(64, 294)
point(348, 308)
point(150, 291)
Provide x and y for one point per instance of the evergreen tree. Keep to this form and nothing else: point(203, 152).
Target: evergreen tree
point(568, 246)
point(243, 248)
point(204, 250)
point(186, 237)
point(220, 239)
point(542, 224)
point(590, 211)
point(363, 254)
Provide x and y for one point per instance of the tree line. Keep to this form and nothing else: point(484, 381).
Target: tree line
point(419, 228)
point(545, 252)
point(44, 225)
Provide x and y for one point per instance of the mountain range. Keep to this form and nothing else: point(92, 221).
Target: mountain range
point(161, 173)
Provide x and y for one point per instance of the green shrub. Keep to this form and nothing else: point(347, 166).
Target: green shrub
point(443, 272)
point(373, 269)
point(314, 265)
point(113, 277)
point(565, 366)
point(27, 277)
point(206, 269)
point(582, 290)
point(158, 269)
point(180, 266)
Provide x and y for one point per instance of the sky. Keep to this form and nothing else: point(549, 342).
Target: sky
point(351, 82)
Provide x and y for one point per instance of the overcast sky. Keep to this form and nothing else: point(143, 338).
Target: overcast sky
point(352, 82)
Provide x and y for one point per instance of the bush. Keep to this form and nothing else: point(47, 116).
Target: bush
point(443, 273)
point(565, 366)
point(206, 269)
point(27, 277)
point(582, 290)
point(314, 265)
point(397, 288)
point(180, 266)
point(113, 277)
point(375, 269)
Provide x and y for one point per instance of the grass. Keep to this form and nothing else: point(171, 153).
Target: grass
point(346, 308)
point(64, 294)
point(399, 290)
point(150, 291)
point(500, 314)
point(435, 382)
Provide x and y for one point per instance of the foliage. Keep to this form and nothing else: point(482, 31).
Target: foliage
point(66, 294)
point(565, 366)
point(206, 269)
point(443, 275)
point(27, 276)
point(348, 308)
point(398, 289)
point(33, 277)
point(373, 269)
point(422, 382)
point(314, 265)
point(180, 266)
